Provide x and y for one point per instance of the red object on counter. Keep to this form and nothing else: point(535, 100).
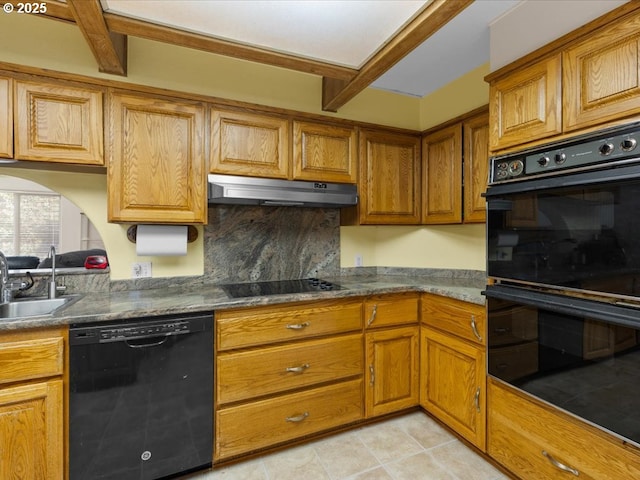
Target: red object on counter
point(96, 261)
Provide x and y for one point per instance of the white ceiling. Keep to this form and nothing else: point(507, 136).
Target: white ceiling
point(341, 32)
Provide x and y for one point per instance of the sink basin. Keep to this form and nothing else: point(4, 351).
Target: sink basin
point(31, 307)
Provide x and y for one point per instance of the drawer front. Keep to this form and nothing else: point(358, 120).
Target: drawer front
point(253, 373)
point(514, 361)
point(264, 423)
point(263, 325)
point(463, 319)
point(385, 310)
point(520, 430)
point(28, 356)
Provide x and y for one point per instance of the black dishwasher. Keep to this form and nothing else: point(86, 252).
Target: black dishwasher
point(141, 397)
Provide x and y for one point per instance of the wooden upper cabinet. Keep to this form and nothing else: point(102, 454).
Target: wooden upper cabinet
point(324, 152)
point(442, 176)
point(249, 144)
point(526, 105)
point(475, 133)
point(601, 75)
point(156, 170)
point(6, 118)
point(389, 178)
point(58, 123)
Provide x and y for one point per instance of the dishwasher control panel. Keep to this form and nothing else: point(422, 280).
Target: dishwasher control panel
point(139, 328)
point(142, 331)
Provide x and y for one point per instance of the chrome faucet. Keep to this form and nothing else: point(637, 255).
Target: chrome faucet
point(5, 288)
point(53, 288)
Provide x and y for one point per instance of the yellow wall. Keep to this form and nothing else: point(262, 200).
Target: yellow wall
point(447, 246)
point(58, 46)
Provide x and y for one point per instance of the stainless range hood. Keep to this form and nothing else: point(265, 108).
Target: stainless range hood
point(234, 190)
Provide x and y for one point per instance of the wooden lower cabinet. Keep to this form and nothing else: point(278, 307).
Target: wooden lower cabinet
point(537, 442)
point(392, 362)
point(31, 431)
point(284, 372)
point(32, 404)
point(260, 424)
point(453, 389)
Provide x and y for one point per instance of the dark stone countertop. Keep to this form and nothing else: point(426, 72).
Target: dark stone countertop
point(133, 304)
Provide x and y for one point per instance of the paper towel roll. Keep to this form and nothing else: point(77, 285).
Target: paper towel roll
point(161, 240)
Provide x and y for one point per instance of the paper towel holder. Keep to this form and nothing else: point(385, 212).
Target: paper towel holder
point(192, 233)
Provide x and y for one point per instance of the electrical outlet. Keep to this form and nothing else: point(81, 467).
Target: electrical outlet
point(141, 270)
point(358, 260)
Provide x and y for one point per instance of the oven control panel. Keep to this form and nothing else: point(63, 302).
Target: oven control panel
point(594, 151)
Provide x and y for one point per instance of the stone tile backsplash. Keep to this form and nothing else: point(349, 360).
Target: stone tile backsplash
point(246, 243)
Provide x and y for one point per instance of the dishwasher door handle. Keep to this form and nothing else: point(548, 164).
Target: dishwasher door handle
point(145, 345)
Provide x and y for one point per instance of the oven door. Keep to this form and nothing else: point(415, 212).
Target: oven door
point(577, 231)
point(576, 354)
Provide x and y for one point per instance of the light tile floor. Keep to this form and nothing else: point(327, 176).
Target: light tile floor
point(411, 447)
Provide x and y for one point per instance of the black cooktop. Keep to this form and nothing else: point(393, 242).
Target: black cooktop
point(278, 287)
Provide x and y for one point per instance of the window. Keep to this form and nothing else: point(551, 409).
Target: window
point(30, 223)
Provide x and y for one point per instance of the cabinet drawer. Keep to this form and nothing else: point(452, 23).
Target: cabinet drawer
point(520, 430)
point(514, 361)
point(26, 356)
point(466, 320)
point(269, 422)
point(385, 310)
point(262, 325)
point(253, 373)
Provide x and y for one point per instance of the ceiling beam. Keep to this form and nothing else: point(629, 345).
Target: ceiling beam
point(109, 48)
point(336, 92)
point(137, 28)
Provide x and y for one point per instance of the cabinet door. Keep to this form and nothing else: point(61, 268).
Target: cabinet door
point(58, 123)
point(324, 153)
point(453, 389)
point(6, 118)
point(389, 178)
point(156, 161)
point(393, 363)
point(601, 76)
point(475, 133)
point(249, 144)
point(31, 431)
point(442, 176)
point(525, 105)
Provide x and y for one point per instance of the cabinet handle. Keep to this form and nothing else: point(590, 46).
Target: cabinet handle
point(501, 330)
point(299, 369)
point(474, 327)
point(559, 465)
point(373, 315)
point(297, 418)
point(298, 326)
point(372, 376)
point(476, 399)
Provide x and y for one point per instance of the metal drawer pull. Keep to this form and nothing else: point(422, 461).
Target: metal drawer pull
point(299, 369)
point(297, 418)
point(474, 327)
point(559, 465)
point(476, 399)
point(372, 376)
point(502, 330)
point(373, 315)
point(298, 326)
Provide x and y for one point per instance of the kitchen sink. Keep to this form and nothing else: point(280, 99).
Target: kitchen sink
point(31, 307)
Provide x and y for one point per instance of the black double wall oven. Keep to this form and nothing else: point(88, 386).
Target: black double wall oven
point(563, 250)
